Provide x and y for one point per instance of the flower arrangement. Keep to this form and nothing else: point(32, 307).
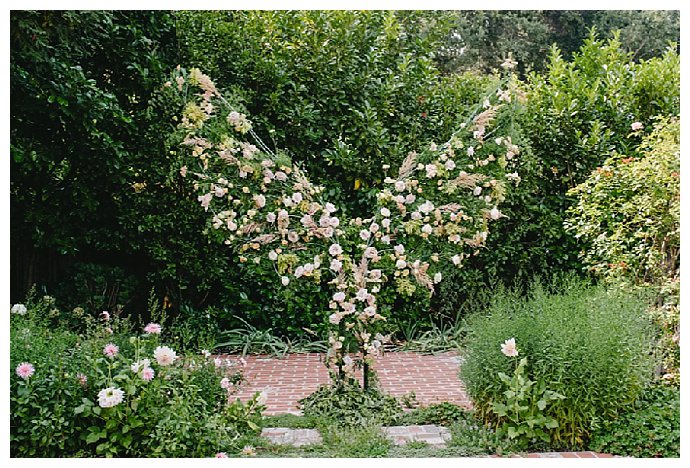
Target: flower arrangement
point(435, 209)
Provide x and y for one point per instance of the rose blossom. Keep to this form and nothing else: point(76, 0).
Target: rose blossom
point(636, 126)
point(335, 249)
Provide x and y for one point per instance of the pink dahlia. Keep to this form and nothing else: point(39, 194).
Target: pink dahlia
point(147, 374)
point(153, 329)
point(25, 370)
point(111, 350)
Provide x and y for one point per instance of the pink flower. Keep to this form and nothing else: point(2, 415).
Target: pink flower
point(147, 374)
point(221, 455)
point(164, 355)
point(508, 348)
point(635, 126)
point(225, 383)
point(153, 329)
point(82, 379)
point(25, 370)
point(111, 350)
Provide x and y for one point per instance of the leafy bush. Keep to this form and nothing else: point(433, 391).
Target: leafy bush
point(578, 112)
point(350, 405)
point(650, 429)
point(109, 393)
point(588, 344)
point(627, 214)
point(443, 414)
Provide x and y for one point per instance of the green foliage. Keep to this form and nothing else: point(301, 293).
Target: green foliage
point(588, 344)
point(627, 214)
point(363, 441)
point(443, 414)
point(349, 405)
point(650, 429)
point(578, 112)
point(251, 340)
point(521, 411)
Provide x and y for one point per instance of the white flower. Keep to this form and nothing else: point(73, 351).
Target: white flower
point(336, 265)
point(456, 259)
point(426, 207)
point(386, 239)
point(259, 201)
point(370, 252)
point(339, 296)
point(431, 170)
point(281, 176)
point(399, 249)
point(477, 191)
point(438, 277)
point(416, 215)
point(374, 228)
point(335, 249)
point(335, 318)
point(450, 164)
point(330, 208)
point(139, 365)
point(635, 126)
point(470, 151)
point(375, 275)
point(508, 348)
point(285, 280)
point(427, 229)
point(494, 213)
point(164, 355)
point(18, 309)
point(271, 217)
point(400, 264)
point(365, 234)
point(386, 223)
point(109, 397)
point(385, 212)
point(272, 255)
point(400, 185)
point(297, 197)
point(299, 271)
point(362, 294)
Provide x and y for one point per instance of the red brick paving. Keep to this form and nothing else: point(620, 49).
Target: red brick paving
point(433, 378)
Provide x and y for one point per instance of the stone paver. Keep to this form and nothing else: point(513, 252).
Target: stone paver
point(433, 378)
point(295, 437)
point(436, 436)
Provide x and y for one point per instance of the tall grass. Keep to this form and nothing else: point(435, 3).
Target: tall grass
point(586, 342)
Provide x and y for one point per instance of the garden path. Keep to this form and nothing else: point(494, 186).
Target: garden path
point(286, 380)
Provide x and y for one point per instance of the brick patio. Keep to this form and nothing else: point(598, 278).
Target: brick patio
point(433, 378)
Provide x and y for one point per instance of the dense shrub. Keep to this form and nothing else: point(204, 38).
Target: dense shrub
point(650, 429)
point(110, 392)
point(586, 351)
point(627, 214)
point(578, 112)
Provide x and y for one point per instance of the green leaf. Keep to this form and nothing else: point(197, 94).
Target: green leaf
point(541, 404)
point(93, 437)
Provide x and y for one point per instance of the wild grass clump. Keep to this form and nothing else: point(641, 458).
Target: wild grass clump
point(586, 343)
